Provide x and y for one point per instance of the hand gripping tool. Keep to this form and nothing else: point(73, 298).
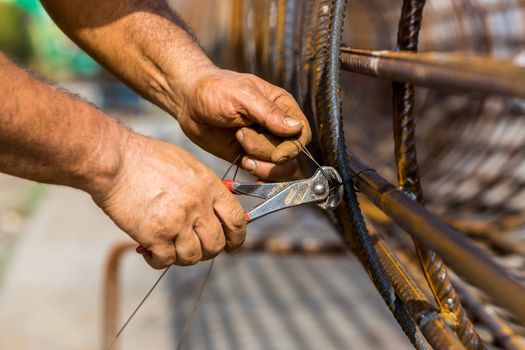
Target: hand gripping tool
point(325, 189)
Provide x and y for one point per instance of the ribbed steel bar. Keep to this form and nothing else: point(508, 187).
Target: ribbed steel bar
point(459, 253)
point(327, 109)
point(426, 315)
point(404, 128)
point(236, 34)
point(291, 22)
point(444, 71)
point(403, 104)
point(504, 336)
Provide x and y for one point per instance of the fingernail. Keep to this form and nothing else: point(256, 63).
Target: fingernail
point(283, 160)
point(240, 136)
point(292, 123)
point(249, 165)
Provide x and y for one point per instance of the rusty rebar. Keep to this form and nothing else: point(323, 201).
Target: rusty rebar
point(463, 256)
point(236, 34)
point(466, 73)
point(111, 293)
point(325, 90)
point(404, 127)
point(504, 336)
point(433, 326)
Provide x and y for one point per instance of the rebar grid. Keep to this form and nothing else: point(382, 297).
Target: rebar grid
point(404, 126)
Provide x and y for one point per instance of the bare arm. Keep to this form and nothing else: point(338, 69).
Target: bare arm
point(143, 42)
point(159, 194)
point(49, 136)
point(140, 41)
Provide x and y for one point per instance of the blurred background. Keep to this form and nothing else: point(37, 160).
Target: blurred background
point(54, 242)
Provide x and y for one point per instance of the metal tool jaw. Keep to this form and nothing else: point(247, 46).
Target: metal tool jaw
point(324, 189)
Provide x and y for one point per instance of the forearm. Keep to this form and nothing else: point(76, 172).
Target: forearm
point(49, 136)
point(140, 41)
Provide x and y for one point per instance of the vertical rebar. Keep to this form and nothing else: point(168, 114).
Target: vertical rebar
point(326, 99)
point(408, 176)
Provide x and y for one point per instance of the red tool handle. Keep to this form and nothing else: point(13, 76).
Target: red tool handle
point(230, 184)
point(141, 250)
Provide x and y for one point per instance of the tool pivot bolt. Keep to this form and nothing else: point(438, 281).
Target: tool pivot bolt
point(319, 188)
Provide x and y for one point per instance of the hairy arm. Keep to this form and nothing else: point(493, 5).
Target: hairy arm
point(49, 136)
point(144, 43)
point(141, 41)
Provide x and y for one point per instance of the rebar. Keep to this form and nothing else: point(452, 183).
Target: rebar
point(466, 73)
point(404, 127)
point(461, 254)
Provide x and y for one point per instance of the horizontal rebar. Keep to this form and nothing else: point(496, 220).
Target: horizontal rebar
point(444, 71)
point(458, 252)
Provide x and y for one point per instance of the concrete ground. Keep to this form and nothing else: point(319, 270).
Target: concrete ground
point(50, 296)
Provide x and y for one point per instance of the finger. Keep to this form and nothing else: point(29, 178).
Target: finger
point(268, 114)
point(267, 170)
point(211, 236)
point(257, 145)
point(291, 149)
point(230, 214)
point(160, 255)
point(188, 248)
point(287, 150)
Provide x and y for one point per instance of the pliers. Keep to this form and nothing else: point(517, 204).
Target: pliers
point(324, 189)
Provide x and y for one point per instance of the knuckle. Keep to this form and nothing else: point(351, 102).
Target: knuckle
point(283, 93)
point(274, 110)
point(190, 257)
point(218, 245)
point(162, 258)
point(236, 220)
point(239, 220)
point(236, 243)
point(245, 92)
point(248, 145)
point(237, 236)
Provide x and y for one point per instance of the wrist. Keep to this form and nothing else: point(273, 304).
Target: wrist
point(98, 171)
point(184, 83)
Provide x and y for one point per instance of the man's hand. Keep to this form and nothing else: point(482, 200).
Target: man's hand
point(222, 111)
point(226, 112)
point(171, 204)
